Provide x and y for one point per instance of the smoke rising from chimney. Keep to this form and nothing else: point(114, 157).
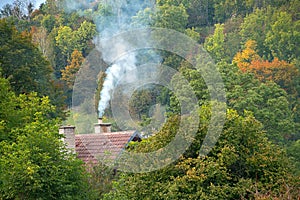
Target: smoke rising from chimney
point(111, 52)
point(114, 72)
point(119, 18)
point(119, 52)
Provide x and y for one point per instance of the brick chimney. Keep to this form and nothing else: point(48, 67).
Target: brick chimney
point(101, 127)
point(69, 136)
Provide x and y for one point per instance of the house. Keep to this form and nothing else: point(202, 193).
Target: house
point(103, 144)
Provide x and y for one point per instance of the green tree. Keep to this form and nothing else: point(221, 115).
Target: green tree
point(140, 103)
point(200, 13)
point(48, 22)
point(283, 37)
point(25, 67)
point(255, 27)
point(268, 102)
point(7, 106)
point(83, 36)
point(215, 43)
point(34, 163)
point(51, 7)
point(36, 166)
point(65, 40)
point(225, 9)
point(293, 151)
point(172, 17)
point(21, 61)
point(102, 178)
point(233, 38)
point(145, 17)
point(172, 2)
point(242, 163)
point(104, 16)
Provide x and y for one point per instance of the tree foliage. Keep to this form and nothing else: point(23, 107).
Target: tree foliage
point(242, 163)
point(34, 164)
point(255, 46)
point(69, 73)
point(215, 43)
point(279, 71)
point(248, 54)
point(21, 61)
point(25, 66)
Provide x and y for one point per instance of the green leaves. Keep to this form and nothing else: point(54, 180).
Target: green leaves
point(22, 63)
point(242, 161)
point(215, 43)
point(284, 37)
point(268, 102)
point(172, 17)
point(84, 35)
point(65, 41)
point(68, 40)
point(34, 164)
point(275, 32)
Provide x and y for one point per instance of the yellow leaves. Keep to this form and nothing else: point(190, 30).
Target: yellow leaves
point(195, 174)
point(191, 32)
point(30, 170)
point(191, 171)
point(243, 59)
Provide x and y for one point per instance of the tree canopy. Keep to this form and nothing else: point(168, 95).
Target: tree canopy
point(254, 45)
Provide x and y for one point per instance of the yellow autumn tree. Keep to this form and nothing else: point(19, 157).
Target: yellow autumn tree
point(244, 58)
point(69, 73)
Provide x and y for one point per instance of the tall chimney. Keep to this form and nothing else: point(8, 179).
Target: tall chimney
point(101, 127)
point(69, 136)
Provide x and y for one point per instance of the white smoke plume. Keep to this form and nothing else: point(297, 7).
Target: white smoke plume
point(119, 19)
point(114, 72)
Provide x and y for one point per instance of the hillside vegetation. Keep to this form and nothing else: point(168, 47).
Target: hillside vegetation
point(255, 47)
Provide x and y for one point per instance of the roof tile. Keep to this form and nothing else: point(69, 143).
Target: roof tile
point(93, 147)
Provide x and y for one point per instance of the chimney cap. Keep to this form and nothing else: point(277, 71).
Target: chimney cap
point(66, 126)
point(105, 124)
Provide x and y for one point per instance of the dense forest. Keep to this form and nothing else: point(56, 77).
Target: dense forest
point(255, 47)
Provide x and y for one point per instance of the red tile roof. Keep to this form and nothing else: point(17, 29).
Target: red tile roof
point(94, 147)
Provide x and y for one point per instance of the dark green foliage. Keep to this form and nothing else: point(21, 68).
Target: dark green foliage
point(101, 179)
point(21, 61)
point(25, 67)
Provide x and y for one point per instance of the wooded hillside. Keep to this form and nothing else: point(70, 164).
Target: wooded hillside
point(255, 47)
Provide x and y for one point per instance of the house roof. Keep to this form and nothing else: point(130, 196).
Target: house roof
point(94, 147)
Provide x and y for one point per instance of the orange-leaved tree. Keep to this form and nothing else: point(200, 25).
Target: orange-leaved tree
point(279, 71)
point(243, 59)
point(69, 73)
